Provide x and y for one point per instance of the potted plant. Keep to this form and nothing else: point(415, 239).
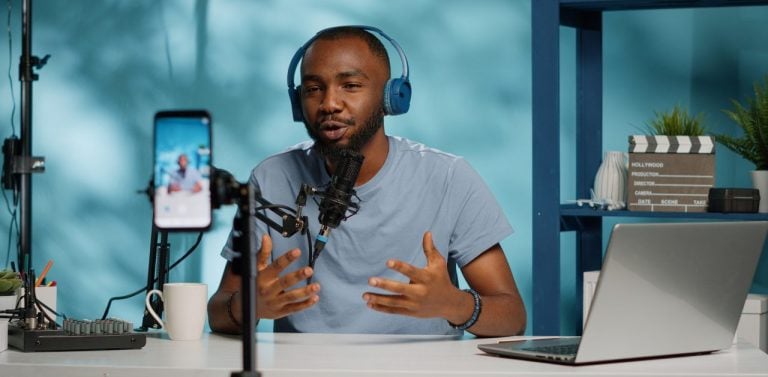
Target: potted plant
point(671, 166)
point(752, 118)
point(9, 282)
point(677, 123)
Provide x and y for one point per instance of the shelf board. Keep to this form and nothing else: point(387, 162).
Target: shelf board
point(608, 5)
point(572, 210)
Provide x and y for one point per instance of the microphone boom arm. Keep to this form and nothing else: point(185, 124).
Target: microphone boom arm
point(226, 188)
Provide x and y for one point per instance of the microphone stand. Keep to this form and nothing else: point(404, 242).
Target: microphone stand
point(247, 268)
point(227, 190)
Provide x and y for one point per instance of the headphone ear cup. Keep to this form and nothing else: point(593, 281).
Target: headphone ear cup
point(397, 96)
point(298, 113)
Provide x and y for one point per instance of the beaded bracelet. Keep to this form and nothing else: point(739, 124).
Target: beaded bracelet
point(475, 313)
point(229, 309)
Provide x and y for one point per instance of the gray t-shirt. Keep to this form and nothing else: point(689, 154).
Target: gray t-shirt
point(418, 189)
point(186, 179)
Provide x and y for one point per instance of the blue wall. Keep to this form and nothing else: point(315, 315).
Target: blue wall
point(115, 63)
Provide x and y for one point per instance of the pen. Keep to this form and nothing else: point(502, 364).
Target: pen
point(45, 271)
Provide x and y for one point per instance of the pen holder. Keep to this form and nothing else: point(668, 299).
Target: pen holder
point(46, 295)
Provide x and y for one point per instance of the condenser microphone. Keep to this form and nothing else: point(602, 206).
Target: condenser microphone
point(338, 197)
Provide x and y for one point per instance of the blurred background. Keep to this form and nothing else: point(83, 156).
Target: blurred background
point(115, 63)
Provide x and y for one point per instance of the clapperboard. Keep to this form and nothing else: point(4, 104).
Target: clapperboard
point(670, 173)
point(671, 144)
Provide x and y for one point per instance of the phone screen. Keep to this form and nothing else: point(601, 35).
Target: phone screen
point(182, 170)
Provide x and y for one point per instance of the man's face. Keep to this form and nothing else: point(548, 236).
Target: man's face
point(183, 161)
point(341, 91)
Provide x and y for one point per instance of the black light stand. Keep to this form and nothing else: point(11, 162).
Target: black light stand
point(19, 164)
point(31, 333)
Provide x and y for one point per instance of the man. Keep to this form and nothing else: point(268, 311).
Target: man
point(390, 268)
point(185, 178)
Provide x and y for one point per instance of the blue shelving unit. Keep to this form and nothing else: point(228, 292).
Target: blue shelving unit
point(549, 216)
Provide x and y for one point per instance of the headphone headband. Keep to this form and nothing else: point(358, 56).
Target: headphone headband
point(397, 92)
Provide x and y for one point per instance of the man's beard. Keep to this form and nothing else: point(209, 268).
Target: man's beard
point(357, 140)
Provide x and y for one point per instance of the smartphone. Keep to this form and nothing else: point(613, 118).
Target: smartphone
point(182, 170)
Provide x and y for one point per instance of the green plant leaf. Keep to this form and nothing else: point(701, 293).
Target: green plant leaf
point(752, 118)
point(677, 123)
point(9, 282)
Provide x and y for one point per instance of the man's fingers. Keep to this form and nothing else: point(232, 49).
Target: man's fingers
point(282, 262)
point(298, 306)
point(302, 274)
point(389, 301)
point(265, 253)
point(287, 302)
point(413, 273)
point(389, 285)
point(299, 294)
point(430, 251)
point(388, 309)
point(285, 282)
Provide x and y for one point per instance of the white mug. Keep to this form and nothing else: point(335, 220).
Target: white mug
point(185, 309)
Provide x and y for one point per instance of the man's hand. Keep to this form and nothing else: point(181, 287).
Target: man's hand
point(429, 293)
point(197, 187)
point(274, 300)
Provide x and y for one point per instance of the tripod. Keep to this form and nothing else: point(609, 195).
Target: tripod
point(159, 256)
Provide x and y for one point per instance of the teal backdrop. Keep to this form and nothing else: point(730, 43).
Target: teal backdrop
point(115, 63)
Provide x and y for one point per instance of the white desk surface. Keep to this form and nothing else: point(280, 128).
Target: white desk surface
point(325, 355)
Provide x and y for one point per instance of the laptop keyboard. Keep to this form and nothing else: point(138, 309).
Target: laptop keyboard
point(561, 349)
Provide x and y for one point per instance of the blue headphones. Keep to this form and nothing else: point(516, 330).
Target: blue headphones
point(397, 92)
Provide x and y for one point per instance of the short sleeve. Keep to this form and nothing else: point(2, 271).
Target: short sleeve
point(258, 229)
point(480, 221)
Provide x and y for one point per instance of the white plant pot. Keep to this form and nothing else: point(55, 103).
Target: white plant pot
point(760, 182)
point(8, 302)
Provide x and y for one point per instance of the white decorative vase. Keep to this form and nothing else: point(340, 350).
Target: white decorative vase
point(610, 185)
point(760, 182)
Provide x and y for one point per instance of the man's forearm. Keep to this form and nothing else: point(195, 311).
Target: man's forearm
point(224, 313)
point(501, 315)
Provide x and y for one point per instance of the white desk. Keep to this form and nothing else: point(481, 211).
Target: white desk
point(325, 355)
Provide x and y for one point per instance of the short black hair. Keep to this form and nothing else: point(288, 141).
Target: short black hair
point(374, 44)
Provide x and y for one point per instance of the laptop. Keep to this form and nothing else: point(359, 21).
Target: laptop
point(665, 289)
